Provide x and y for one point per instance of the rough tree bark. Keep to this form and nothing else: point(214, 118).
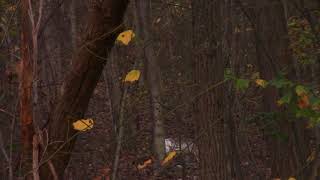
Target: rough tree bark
point(54, 56)
point(209, 109)
point(104, 24)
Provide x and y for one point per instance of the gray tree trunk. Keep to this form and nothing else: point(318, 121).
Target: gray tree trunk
point(153, 75)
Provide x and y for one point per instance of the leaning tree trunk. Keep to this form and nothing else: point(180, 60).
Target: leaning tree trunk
point(26, 79)
point(209, 107)
point(104, 24)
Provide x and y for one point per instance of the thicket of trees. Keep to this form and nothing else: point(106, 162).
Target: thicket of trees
point(160, 89)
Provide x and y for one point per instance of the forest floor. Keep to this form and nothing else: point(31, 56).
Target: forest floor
point(93, 155)
point(94, 150)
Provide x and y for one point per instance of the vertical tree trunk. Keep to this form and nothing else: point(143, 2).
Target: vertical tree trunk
point(153, 76)
point(209, 107)
point(26, 79)
point(273, 55)
point(104, 24)
point(54, 56)
point(232, 58)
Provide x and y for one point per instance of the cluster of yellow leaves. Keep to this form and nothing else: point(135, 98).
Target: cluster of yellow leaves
point(125, 37)
point(83, 124)
point(165, 161)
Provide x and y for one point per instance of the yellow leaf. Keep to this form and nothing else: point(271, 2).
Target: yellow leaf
point(261, 83)
point(125, 37)
point(83, 124)
point(145, 164)
point(280, 102)
point(169, 157)
point(132, 76)
point(292, 178)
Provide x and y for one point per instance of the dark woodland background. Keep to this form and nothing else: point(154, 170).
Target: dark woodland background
point(229, 89)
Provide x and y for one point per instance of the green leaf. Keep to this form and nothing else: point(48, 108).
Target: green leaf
point(314, 121)
point(305, 113)
point(242, 84)
point(315, 101)
point(281, 82)
point(286, 99)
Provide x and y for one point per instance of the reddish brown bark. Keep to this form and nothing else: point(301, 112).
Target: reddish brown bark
point(26, 79)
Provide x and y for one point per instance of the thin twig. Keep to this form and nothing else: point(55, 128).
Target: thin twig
point(6, 112)
point(35, 158)
point(12, 130)
point(44, 146)
point(3, 150)
point(120, 135)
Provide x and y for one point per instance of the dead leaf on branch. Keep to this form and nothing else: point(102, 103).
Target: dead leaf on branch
point(261, 83)
point(169, 157)
point(83, 124)
point(125, 37)
point(132, 76)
